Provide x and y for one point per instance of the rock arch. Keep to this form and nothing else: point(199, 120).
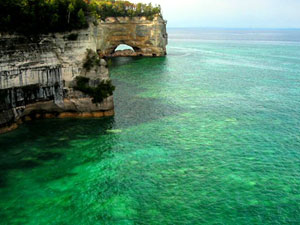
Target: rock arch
point(146, 37)
point(37, 80)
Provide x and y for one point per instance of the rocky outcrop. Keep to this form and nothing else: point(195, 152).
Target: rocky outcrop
point(38, 76)
point(146, 37)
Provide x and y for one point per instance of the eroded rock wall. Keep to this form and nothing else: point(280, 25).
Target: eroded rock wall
point(37, 76)
point(146, 37)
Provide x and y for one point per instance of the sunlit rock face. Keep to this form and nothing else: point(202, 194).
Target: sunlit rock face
point(37, 76)
point(146, 37)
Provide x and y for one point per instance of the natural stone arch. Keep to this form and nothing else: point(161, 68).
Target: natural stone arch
point(48, 76)
point(146, 37)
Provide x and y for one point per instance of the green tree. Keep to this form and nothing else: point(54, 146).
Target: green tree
point(81, 18)
point(33, 17)
point(70, 10)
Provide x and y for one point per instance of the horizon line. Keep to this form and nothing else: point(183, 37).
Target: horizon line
point(248, 28)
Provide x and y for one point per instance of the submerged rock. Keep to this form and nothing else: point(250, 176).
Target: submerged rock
point(114, 131)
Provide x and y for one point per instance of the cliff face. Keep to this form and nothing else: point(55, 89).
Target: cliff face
point(147, 38)
point(37, 77)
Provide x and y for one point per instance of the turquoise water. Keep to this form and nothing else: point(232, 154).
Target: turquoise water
point(209, 134)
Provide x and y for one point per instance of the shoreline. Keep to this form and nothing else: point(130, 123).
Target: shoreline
point(55, 115)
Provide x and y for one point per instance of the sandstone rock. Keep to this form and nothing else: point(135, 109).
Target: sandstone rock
point(124, 53)
point(37, 78)
point(146, 37)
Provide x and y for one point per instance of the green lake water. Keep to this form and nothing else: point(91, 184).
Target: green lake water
point(209, 134)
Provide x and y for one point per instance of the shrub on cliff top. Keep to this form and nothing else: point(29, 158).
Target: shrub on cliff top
point(44, 16)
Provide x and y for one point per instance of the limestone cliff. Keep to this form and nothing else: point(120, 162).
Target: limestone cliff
point(37, 77)
point(146, 37)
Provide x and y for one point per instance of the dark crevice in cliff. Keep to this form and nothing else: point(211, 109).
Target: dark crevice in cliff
point(14, 99)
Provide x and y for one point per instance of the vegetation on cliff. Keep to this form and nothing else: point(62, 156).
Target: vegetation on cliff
point(45, 16)
point(99, 93)
point(116, 8)
point(91, 60)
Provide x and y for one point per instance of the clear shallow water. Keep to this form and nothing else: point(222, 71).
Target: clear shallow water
point(208, 135)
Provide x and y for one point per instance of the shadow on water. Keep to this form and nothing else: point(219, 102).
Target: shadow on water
point(120, 61)
point(40, 142)
point(2, 180)
point(130, 108)
point(133, 110)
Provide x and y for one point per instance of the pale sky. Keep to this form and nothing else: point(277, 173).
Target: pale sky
point(230, 13)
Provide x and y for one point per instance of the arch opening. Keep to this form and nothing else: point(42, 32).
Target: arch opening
point(124, 50)
point(122, 47)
